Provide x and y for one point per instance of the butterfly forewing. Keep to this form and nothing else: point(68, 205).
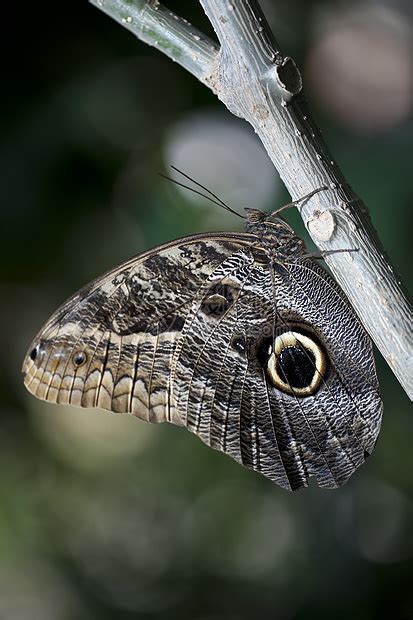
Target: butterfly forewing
point(111, 345)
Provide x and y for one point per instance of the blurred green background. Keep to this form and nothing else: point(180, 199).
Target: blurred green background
point(108, 517)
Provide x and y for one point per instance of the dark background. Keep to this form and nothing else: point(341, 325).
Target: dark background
point(107, 517)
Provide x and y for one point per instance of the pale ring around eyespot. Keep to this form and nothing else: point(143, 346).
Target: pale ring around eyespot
point(294, 339)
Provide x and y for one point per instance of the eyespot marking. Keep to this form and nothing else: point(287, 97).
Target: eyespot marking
point(297, 363)
point(79, 358)
point(239, 345)
point(218, 299)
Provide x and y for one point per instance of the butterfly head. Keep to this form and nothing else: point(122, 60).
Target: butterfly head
point(256, 218)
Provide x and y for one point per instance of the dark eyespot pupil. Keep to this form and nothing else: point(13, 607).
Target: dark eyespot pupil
point(296, 366)
point(79, 359)
point(33, 354)
point(239, 344)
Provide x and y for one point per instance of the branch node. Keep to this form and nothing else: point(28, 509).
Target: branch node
point(322, 225)
point(288, 77)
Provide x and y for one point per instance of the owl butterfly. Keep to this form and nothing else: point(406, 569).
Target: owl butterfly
point(240, 337)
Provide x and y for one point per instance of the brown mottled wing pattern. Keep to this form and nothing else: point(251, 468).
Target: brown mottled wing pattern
point(126, 324)
point(178, 334)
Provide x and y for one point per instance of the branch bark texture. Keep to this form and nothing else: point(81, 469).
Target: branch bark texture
point(254, 79)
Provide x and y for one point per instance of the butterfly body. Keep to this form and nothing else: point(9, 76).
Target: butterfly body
point(240, 337)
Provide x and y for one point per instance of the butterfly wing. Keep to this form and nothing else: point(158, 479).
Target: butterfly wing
point(111, 344)
point(182, 334)
point(225, 393)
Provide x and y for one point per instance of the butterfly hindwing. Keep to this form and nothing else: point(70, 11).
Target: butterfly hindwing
point(227, 399)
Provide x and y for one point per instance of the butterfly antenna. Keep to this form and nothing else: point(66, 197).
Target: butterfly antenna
point(215, 199)
point(191, 189)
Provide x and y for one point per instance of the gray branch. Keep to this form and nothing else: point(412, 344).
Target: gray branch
point(253, 78)
point(173, 35)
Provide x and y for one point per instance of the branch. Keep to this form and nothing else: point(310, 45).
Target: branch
point(258, 83)
point(174, 36)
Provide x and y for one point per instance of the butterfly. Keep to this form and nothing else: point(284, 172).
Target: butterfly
point(242, 338)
